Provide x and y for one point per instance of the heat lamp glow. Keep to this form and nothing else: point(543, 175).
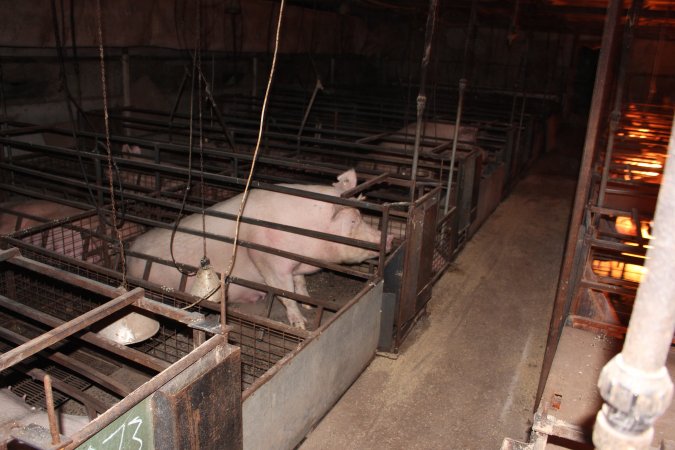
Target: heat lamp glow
point(619, 270)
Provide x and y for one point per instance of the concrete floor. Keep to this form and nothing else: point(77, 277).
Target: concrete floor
point(467, 376)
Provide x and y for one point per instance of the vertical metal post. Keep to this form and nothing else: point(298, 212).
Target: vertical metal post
point(421, 97)
point(254, 76)
point(566, 281)
point(332, 72)
point(615, 115)
point(51, 413)
point(317, 87)
point(635, 384)
point(126, 87)
point(458, 121)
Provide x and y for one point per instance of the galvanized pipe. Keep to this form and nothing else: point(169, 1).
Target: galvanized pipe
point(635, 384)
point(458, 121)
point(421, 97)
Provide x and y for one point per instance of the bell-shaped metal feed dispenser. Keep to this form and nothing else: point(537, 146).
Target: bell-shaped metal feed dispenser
point(130, 329)
point(206, 282)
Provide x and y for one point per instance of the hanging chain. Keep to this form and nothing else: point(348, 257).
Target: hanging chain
point(111, 186)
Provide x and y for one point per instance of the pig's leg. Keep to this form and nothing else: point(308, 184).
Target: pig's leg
point(301, 288)
point(278, 272)
point(295, 317)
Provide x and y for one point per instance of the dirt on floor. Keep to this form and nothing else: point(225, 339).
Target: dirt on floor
point(467, 376)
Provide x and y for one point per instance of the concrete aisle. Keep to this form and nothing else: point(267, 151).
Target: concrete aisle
point(467, 376)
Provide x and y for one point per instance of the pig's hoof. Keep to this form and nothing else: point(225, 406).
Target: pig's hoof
point(298, 321)
point(307, 306)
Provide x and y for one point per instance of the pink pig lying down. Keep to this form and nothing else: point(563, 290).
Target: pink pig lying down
point(255, 265)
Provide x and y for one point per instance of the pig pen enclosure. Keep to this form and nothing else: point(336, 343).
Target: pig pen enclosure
point(82, 241)
point(356, 309)
point(52, 332)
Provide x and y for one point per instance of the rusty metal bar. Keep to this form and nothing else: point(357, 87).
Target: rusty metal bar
point(92, 405)
point(365, 185)
point(572, 258)
point(179, 315)
point(145, 390)
point(615, 115)
point(67, 361)
point(51, 413)
point(458, 122)
point(317, 87)
point(69, 328)
point(106, 344)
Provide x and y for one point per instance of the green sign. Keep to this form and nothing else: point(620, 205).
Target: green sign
point(131, 431)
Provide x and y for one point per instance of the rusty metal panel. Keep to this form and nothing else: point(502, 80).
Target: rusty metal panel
point(201, 407)
point(306, 384)
point(425, 273)
point(489, 196)
point(408, 299)
point(393, 272)
point(417, 269)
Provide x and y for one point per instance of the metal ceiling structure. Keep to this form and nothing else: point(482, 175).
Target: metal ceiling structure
point(581, 16)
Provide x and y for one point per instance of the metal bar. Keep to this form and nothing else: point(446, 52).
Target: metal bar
point(179, 315)
point(71, 363)
point(145, 390)
point(365, 185)
point(458, 121)
point(318, 86)
point(69, 328)
point(615, 116)
point(51, 413)
point(566, 281)
point(106, 344)
point(421, 97)
point(92, 405)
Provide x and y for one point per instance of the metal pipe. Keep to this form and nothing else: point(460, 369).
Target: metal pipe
point(254, 78)
point(51, 413)
point(635, 384)
point(317, 87)
point(455, 138)
point(126, 84)
point(421, 97)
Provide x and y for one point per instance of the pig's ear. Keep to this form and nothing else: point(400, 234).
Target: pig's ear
point(131, 150)
point(346, 181)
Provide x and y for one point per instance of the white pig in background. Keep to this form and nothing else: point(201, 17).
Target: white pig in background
point(442, 130)
point(14, 219)
point(259, 266)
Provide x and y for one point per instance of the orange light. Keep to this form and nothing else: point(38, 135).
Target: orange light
point(625, 225)
point(619, 270)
